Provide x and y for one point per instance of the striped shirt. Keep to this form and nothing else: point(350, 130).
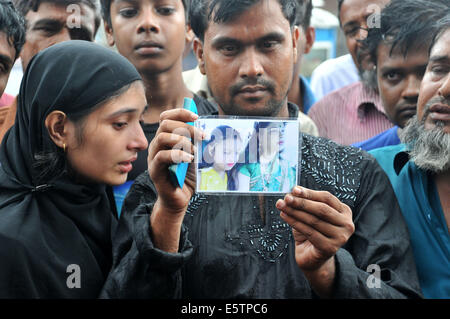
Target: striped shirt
point(349, 115)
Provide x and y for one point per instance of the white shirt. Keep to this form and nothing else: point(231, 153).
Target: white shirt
point(333, 74)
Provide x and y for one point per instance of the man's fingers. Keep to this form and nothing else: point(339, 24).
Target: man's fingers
point(318, 196)
point(327, 229)
point(318, 240)
point(320, 210)
point(180, 128)
point(168, 141)
point(181, 115)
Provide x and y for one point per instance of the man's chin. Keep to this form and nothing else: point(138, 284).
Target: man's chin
point(253, 107)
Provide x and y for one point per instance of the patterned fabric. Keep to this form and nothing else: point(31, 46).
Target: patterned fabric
point(349, 115)
point(276, 177)
point(239, 247)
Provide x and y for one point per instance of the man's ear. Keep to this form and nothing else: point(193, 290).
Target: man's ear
point(295, 37)
point(109, 34)
point(58, 126)
point(310, 39)
point(198, 50)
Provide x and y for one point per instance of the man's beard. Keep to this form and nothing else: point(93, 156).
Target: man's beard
point(271, 108)
point(429, 149)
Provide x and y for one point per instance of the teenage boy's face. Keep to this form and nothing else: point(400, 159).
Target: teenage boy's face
point(151, 34)
point(249, 60)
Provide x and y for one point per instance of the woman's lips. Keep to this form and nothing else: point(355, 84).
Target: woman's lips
point(126, 166)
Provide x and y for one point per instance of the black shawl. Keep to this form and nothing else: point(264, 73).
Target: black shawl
point(55, 236)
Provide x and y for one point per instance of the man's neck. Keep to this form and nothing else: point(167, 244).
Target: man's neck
point(443, 187)
point(295, 93)
point(164, 91)
point(282, 113)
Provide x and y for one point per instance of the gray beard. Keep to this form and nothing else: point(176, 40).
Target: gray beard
point(428, 149)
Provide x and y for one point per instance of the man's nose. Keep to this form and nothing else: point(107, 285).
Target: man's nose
point(251, 65)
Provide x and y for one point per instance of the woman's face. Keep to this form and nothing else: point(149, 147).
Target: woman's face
point(111, 138)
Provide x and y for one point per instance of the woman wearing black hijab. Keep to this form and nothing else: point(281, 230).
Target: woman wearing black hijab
point(77, 130)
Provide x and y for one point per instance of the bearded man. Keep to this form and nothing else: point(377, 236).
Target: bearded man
point(419, 170)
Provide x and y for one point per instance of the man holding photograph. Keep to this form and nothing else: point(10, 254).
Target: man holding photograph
point(343, 220)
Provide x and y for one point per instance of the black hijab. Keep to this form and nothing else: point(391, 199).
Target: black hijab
point(47, 227)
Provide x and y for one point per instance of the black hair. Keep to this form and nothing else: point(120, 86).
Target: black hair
point(340, 2)
point(26, 5)
point(202, 11)
point(106, 9)
point(304, 13)
point(13, 25)
point(406, 25)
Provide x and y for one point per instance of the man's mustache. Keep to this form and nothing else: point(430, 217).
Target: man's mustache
point(268, 85)
point(433, 101)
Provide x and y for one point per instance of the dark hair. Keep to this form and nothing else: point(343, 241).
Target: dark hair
point(26, 5)
point(339, 10)
point(53, 163)
point(304, 13)
point(106, 9)
point(13, 25)
point(201, 12)
point(442, 26)
point(413, 28)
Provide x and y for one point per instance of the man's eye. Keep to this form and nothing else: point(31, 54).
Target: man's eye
point(229, 49)
point(351, 31)
point(392, 76)
point(269, 44)
point(46, 29)
point(128, 12)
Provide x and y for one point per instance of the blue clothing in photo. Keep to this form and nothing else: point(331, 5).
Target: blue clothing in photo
point(419, 201)
point(386, 138)
point(307, 94)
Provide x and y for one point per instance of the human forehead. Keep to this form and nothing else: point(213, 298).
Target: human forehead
point(257, 21)
point(50, 10)
point(416, 55)
point(441, 47)
point(359, 10)
point(6, 48)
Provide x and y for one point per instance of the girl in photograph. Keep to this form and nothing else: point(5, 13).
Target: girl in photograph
point(268, 170)
point(77, 130)
point(220, 155)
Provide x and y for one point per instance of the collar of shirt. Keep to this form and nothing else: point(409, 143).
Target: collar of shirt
point(307, 95)
point(367, 100)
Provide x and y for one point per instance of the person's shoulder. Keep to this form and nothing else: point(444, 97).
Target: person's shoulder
point(390, 150)
point(322, 147)
point(336, 168)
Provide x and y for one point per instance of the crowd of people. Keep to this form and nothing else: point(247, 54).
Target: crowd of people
point(93, 123)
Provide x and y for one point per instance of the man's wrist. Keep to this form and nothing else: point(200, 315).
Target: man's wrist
point(322, 278)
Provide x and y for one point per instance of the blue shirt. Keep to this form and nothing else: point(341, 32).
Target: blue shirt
point(386, 138)
point(419, 200)
point(307, 94)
